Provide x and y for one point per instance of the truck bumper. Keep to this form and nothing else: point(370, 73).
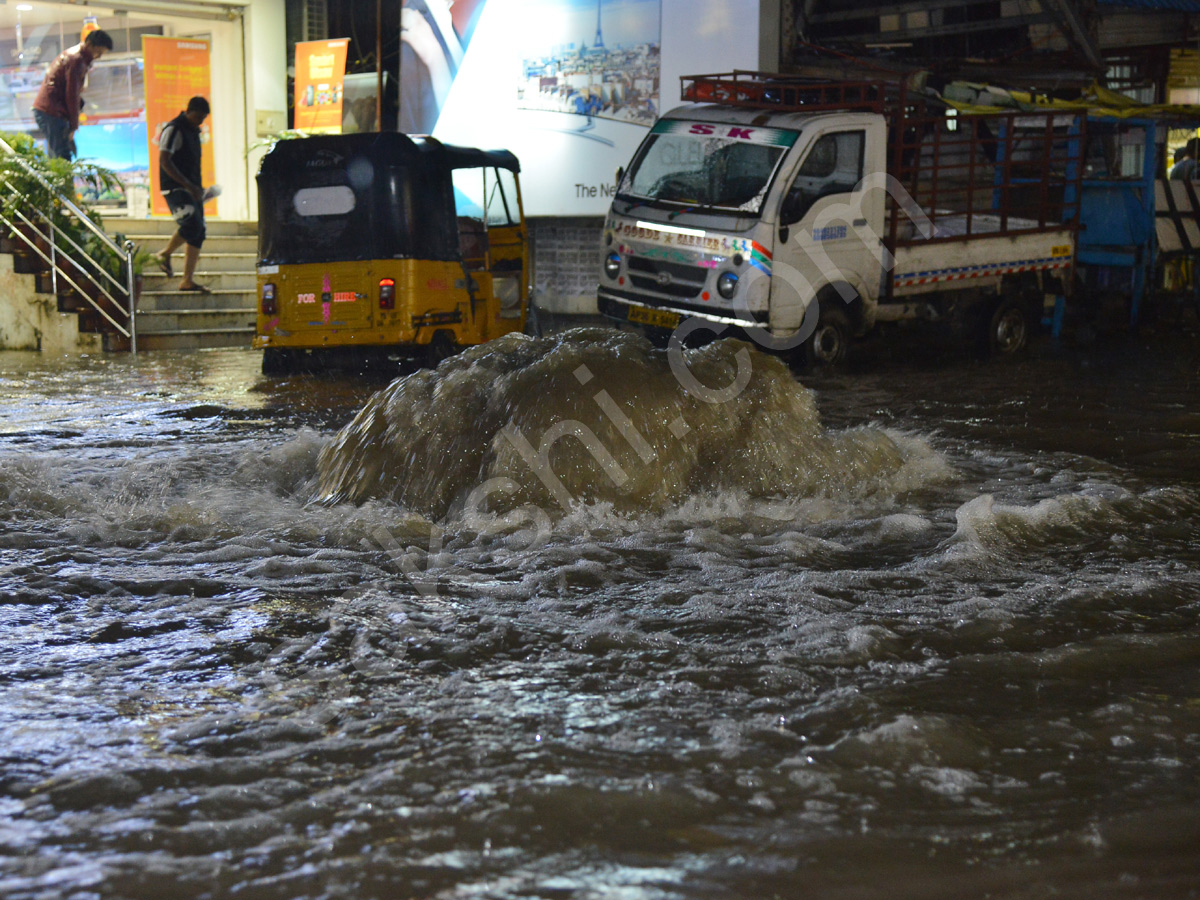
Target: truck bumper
point(623, 308)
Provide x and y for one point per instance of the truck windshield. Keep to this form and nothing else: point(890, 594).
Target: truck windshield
point(707, 165)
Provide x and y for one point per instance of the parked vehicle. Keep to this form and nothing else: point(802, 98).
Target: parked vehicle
point(382, 245)
point(1139, 230)
point(805, 213)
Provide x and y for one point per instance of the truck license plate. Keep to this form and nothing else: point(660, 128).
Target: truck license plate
point(656, 317)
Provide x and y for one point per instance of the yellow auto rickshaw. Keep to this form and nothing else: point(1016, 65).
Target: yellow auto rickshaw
point(377, 246)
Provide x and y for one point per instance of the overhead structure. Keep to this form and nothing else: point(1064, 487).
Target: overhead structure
point(1052, 44)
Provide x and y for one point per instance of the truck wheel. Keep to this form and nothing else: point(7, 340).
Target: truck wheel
point(1006, 329)
point(830, 342)
point(277, 362)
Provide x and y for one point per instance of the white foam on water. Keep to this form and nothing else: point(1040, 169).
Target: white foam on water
point(988, 526)
point(929, 741)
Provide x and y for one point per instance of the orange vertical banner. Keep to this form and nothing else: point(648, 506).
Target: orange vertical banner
point(320, 71)
point(175, 71)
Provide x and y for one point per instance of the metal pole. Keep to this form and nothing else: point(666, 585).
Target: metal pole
point(379, 65)
point(129, 285)
point(53, 254)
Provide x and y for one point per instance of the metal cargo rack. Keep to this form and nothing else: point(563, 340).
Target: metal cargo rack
point(783, 93)
point(993, 173)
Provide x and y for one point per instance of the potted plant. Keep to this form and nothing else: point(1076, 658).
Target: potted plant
point(31, 183)
point(34, 181)
point(115, 265)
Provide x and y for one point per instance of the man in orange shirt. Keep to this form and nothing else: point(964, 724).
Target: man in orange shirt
point(56, 109)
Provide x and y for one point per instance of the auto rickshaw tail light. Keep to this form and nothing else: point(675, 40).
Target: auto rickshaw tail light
point(269, 307)
point(387, 293)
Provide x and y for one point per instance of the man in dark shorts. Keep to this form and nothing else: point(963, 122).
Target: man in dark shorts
point(180, 180)
point(58, 102)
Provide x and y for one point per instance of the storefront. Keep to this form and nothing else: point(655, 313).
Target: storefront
point(240, 53)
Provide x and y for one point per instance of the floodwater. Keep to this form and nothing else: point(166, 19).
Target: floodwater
point(926, 627)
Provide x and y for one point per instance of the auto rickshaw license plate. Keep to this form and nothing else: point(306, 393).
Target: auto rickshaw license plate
point(656, 317)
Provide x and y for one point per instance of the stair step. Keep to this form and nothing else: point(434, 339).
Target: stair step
point(175, 302)
point(196, 340)
point(227, 292)
point(170, 319)
point(164, 226)
point(237, 329)
point(152, 296)
point(225, 262)
point(223, 282)
point(243, 310)
point(161, 237)
point(212, 244)
point(196, 321)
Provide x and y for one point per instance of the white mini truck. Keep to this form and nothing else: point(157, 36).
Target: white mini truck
point(804, 213)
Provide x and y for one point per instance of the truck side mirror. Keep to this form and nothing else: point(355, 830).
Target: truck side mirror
point(792, 209)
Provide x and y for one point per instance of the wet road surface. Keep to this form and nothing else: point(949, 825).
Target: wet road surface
point(968, 669)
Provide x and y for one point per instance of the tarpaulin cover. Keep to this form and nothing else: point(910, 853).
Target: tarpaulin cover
point(1095, 101)
point(403, 197)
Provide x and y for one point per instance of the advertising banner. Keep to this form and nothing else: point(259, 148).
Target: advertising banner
point(320, 77)
point(571, 87)
point(175, 71)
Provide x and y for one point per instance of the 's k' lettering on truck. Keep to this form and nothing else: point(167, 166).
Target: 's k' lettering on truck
point(804, 213)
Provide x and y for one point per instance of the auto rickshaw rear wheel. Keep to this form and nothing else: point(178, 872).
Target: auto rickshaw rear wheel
point(278, 362)
point(441, 346)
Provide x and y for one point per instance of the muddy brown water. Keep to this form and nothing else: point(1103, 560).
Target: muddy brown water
point(941, 642)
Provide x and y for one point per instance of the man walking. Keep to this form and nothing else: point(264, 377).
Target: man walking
point(180, 180)
point(56, 108)
point(1185, 162)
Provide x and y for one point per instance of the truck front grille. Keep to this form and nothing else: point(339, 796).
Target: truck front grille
point(661, 277)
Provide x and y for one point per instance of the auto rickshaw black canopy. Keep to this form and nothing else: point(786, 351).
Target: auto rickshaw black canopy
point(403, 197)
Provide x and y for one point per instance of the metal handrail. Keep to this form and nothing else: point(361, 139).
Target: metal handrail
point(56, 234)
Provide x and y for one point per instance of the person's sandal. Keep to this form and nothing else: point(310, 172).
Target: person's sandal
point(196, 288)
point(164, 263)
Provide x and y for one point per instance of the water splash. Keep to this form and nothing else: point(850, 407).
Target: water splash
point(600, 416)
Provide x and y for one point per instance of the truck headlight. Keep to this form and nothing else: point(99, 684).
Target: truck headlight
point(612, 265)
point(727, 284)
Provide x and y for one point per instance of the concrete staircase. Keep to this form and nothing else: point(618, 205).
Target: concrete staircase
point(168, 319)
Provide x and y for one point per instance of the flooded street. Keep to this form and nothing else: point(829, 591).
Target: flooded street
point(942, 643)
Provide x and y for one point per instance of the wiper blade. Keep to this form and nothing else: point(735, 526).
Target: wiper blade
point(634, 204)
point(679, 212)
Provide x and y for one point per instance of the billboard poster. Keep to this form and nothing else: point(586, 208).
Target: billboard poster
point(175, 71)
point(434, 35)
point(570, 86)
point(320, 77)
point(613, 74)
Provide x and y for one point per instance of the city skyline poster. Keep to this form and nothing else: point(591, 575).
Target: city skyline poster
point(594, 58)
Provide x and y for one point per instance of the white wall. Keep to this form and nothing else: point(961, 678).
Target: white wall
point(31, 321)
point(266, 69)
point(703, 37)
point(228, 99)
